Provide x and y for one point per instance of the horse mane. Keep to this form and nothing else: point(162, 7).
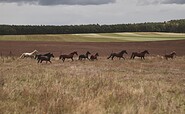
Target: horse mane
point(145, 51)
point(74, 52)
point(121, 52)
point(173, 52)
point(35, 50)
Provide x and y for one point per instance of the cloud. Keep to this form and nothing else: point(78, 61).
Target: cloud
point(174, 1)
point(60, 2)
point(142, 2)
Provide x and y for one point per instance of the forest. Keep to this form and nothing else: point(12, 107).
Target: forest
point(175, 26)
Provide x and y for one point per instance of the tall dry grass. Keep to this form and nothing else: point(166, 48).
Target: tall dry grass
point(153, 86)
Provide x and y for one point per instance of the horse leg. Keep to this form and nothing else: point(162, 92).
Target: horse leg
point(131, 57)
point(63, 59)
point(112, 57)
point(109, 56)
point(144, 57)
point(21, 56)
point(72, 58)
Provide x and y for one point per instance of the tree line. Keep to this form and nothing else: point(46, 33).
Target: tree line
point(176, 26)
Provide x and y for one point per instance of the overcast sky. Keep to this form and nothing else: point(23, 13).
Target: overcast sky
point(67, 12)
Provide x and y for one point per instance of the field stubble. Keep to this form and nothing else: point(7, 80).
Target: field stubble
point(104, 86)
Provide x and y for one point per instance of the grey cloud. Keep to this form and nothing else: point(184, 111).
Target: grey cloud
point(161, 1)
point(60, 2)
point(174, 1)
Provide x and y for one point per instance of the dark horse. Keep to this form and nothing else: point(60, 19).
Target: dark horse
point(141, 54)
point(119, 55)
point(70, 56)
point(86, 56)
point(171, 55)
point(45, 57)
point(94, 57)
point(37, 56)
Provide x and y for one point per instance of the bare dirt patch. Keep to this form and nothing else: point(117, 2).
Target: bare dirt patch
point(104, 49)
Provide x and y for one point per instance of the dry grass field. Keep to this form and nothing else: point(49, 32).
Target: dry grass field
point(153, 86)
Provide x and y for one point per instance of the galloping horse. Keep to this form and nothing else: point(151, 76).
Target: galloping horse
point(119, 55)
point(70, 56)
point(31, 55)
point(171, 55)
point(84, 56)
point(141, 54)
point(46, 57)
point(94, 57)
point(39, 55)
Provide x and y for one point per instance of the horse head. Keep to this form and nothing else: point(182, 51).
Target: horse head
point(124, 51)
point(96, 54)
point(75, 52)
point(146, 51)
point(35, 51)
point(173, 53)
point(88, 53)
point(51, 55)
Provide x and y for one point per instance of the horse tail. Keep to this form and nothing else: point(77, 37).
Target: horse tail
point(109, 56)
point(60, 57)
point(36, 56)
point(132, 56)
point(21, 56)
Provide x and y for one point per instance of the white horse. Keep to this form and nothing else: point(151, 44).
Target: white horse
point(31, 55)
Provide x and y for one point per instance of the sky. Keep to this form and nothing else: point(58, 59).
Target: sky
point(76, 12)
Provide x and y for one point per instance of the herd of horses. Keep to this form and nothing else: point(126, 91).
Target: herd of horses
point(47, 57)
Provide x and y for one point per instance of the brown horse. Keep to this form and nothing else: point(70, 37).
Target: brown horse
point(171, 55)
point(119, 55)
point(86, 56)
point(141, 54)
point(70, 56)
point(94, 57)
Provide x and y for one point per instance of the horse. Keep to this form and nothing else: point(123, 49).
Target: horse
point(137, 54)
point(94, 57)
point(39, 55)
point(46, 57)
point(119, 55)
point(84, 56)
point(171, 55)
point(70, 56)
point(31, 55)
